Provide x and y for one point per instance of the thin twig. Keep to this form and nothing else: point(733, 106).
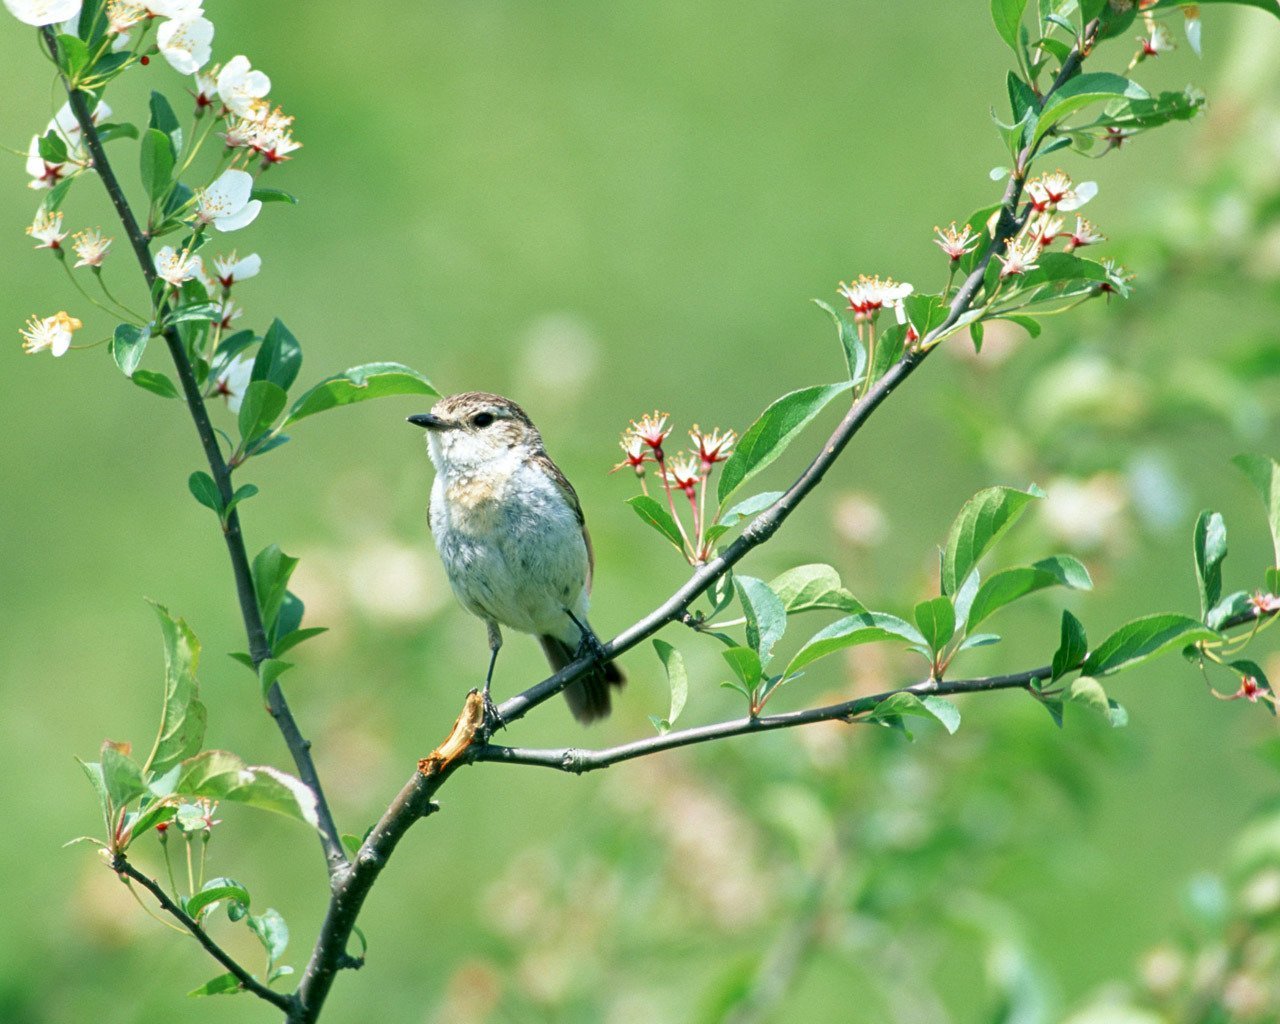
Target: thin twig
point(259, 645)
point(248, 982)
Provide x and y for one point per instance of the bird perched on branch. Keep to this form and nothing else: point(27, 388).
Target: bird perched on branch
point(511, 534)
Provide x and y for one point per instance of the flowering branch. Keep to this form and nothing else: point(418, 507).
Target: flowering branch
point(121, 866)
point(259, 646)
point(577, 761)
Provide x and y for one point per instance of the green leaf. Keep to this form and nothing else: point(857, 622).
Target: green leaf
point(937, 621)
point(123, 130)
point(280, 357)
point(979, 640)
point(1088, 692)
point(677, 679)
point(242, 493)
point(746, 666)
point(359, 384)
point(888, 350)
point(73, 55)
point(1081, 91)
point(1143, 639)
point(143, 821)
point(1229, 607)
point(272, 932)
point(1071, 648)
point(1008, 586)
point(182, 715)
point(855, 353)
point(93, 771)
point(1265, 475)
point(52, 147)
point(203, 312)
point(221, 775)
point(894, 707)
point(766, 617)
point(165, 121)
point(120, 774)
point(1007, 15)
point(1210, 548)
point(1022, 97)
point(752, 506)
point(271, 571)
point(127, 345)
point(269, 670)
point(262, 403)
point(983, 520)
point(297, 636)
point(770, 435)
point(859, 628)
point(214, 891)
point(205, 491)
point(157, 159)
point(658, 517)
point(156, 383)
point(273, 195)
point(813, 587)
point(223, 984)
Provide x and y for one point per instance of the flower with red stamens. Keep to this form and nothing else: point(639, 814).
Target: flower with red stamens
point(713, 447)
point(1264, 604)
point(47, 229)
point(1084, 233)
point(1056, 191)
point(1250, 689)
point(633, 448)
point(652, 430)
point(956, 243)
point(868, 295)
point(684, 472)
point(1020, 257)
point(1044, 229)
point(1156, 41)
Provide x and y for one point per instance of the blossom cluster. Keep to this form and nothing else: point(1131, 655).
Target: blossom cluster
point(235, 92)
point(687, 472)
point(1048, 196)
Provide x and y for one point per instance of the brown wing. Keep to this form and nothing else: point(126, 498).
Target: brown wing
point(571, 496)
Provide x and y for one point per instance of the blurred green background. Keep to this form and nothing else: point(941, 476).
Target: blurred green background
point(598, 209)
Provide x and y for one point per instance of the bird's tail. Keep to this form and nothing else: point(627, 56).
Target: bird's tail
point(588, 697)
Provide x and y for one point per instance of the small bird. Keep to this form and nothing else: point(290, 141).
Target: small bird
point(511, 534)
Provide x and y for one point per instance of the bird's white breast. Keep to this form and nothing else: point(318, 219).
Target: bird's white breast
point(512, 545)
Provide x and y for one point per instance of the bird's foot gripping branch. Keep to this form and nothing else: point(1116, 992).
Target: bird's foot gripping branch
point(198, 167)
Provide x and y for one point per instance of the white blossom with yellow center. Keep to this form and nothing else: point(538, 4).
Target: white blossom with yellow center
point(226, 204)
point(50, 332)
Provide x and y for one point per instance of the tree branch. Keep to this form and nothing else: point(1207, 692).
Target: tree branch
point(259, 645)
point(248, 982)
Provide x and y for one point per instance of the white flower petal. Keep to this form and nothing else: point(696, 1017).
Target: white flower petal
point(1192, 26)
point(61, 342)
point(43, 12)
point(186, 44)
point(241, 218)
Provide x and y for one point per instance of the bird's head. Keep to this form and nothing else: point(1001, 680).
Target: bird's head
point(467, 431)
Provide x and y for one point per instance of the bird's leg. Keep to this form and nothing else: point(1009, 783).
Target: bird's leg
point(492, 720)
point(589, 644)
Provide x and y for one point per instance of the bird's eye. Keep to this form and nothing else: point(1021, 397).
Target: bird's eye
point(482, 419)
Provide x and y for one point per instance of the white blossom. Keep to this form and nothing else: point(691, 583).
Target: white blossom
point(229, 270)
point(51, 332)
point(186, 44)
point(241, 88)
point(176, 267)
point(91, 247)
point(47, 229)
point(43, 12)
point(868, 295)
point(233, 381)
point(226, 204)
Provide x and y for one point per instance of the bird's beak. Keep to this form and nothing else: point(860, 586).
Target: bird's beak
point(429, 421)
